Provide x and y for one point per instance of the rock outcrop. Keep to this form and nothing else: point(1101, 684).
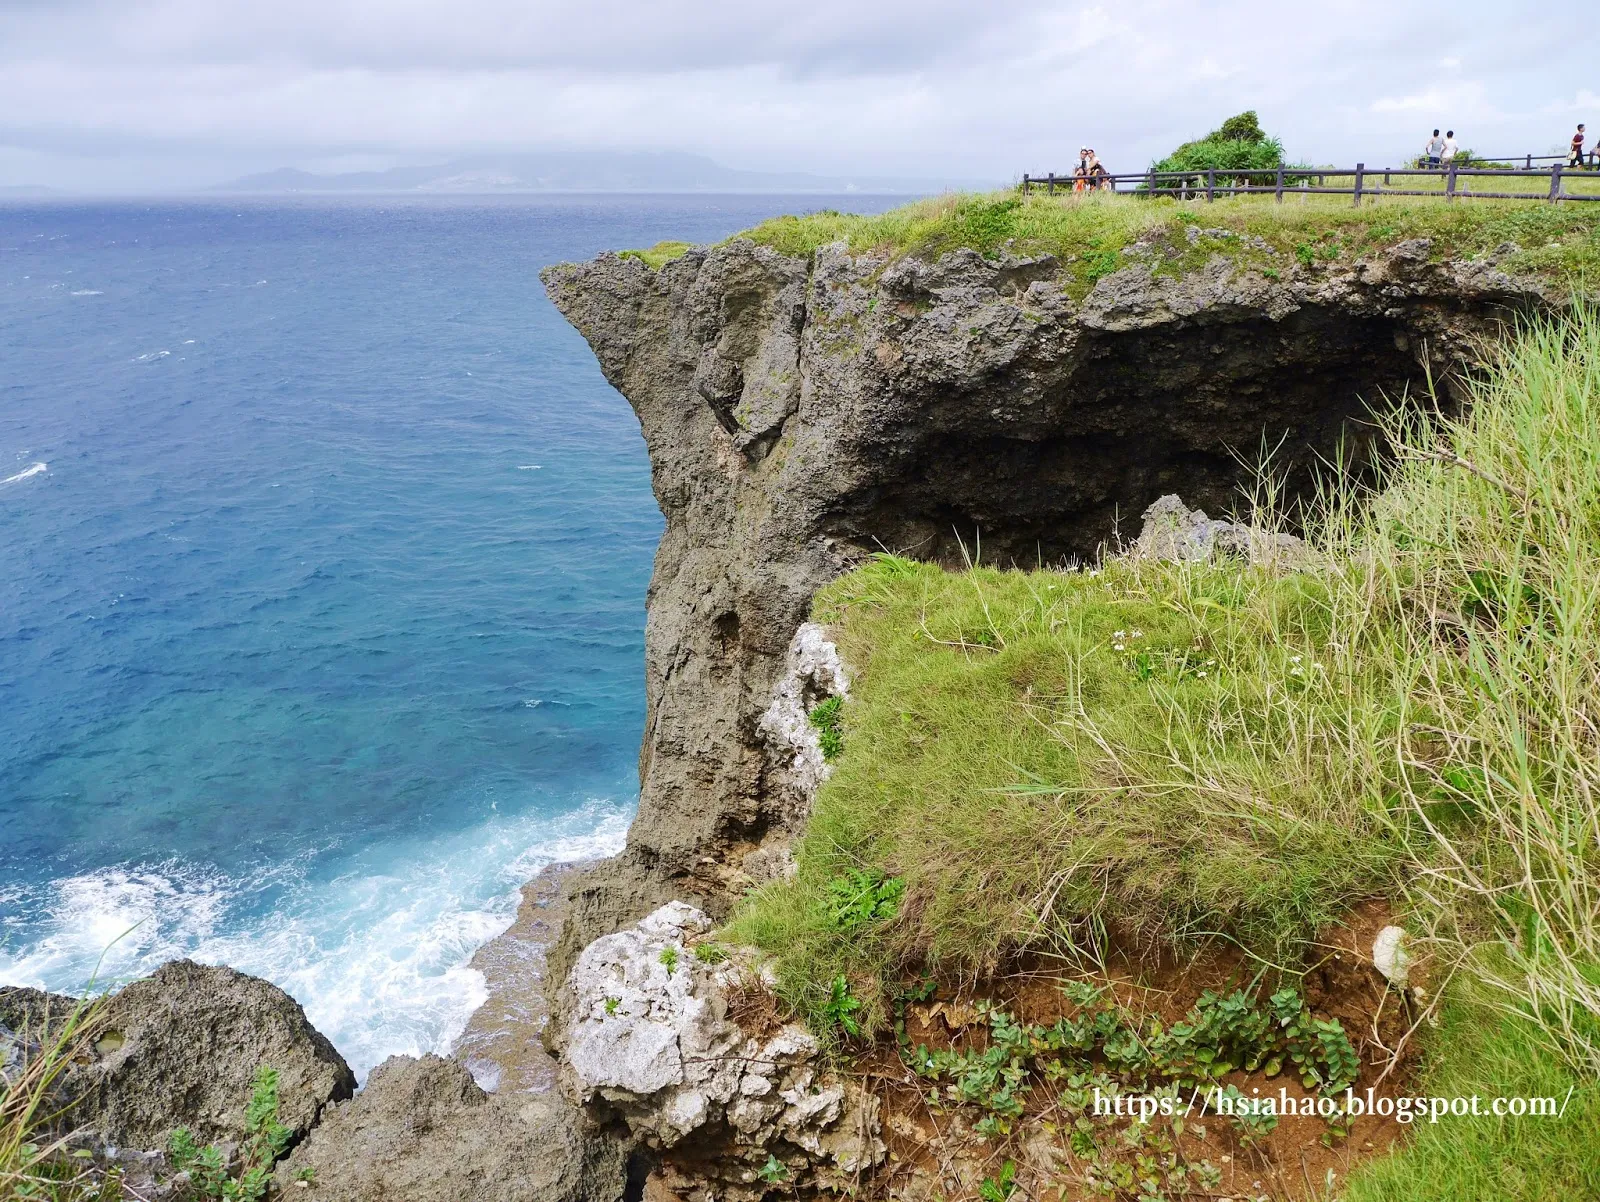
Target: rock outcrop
point(181, 1048)
point(804, 413)
point(1173, 531)
point(422, 1130)
point(655, 1038)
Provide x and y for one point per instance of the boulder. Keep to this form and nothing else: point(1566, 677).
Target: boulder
point(1173, 531)
point(181, 1048)
point(421, 1130)
point(651, 1039)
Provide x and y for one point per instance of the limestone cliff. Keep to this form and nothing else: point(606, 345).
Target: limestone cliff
point(801, 414)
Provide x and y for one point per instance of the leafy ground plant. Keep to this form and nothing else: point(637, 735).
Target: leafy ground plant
point(249, 1177)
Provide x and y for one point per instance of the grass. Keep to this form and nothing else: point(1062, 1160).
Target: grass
point(1048, 747)
point(37, 1158)
point(1492, 1159)
point(1090, 233)
point(659, 255)
point(1180, 752)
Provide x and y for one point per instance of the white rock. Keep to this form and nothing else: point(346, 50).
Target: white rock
point(1389, 956)
point(658, 1047)
point(812, 672)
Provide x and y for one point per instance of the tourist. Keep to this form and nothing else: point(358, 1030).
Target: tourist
point(1575, 158)
point(1096, 173)
point(1433, 149)
point(1447, 154)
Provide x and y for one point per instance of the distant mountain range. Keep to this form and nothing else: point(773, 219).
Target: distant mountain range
point(581, 171)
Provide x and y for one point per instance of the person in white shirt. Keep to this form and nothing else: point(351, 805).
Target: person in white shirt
point(1448, 154)
point(1433, 149)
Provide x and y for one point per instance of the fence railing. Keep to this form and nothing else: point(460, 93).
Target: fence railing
point(1290, 181)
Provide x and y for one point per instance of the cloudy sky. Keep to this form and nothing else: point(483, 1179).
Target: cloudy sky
point(137, 94)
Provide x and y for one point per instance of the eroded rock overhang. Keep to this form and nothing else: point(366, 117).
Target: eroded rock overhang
point(801, 414)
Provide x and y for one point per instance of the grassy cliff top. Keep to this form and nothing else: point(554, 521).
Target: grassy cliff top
point(1561, 242)
point(1169, 754)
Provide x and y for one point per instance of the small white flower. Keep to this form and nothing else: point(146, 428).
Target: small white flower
point(1119, 634)
point(1294, 659)
point(1202, 673)
point(1118, 647)
point(1295, 671)
point(1136, 634)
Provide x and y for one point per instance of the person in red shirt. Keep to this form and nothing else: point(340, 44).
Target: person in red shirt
point(1575, 158)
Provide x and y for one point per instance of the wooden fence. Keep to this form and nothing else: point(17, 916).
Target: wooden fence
point(1291, 181)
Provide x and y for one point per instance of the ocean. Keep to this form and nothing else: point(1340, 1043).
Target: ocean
point(325, 547)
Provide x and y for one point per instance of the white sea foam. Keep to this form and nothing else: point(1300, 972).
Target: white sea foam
point(88, 292)
point(151, 356)
point(529, 467)
point(36, 470)
point(377, 956)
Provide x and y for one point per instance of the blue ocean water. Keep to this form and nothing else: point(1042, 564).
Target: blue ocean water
point(323, 552)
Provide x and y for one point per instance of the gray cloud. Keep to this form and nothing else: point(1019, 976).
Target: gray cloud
point(144, 92)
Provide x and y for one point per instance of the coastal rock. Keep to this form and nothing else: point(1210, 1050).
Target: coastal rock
point(181, 1048)
point(421, 1130)
point(1173, 531)
point(654, 1039)
point(804, 413)
point(812, 672)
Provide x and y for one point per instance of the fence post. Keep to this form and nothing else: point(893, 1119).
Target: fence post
point(1211, 183)
point(1361, 169)
point(1024, 183)
point(1555, 181)
point(1050, 188)
point(1450, 182)
point(1277, 193)
point(1150, 182)
point(1528, 163)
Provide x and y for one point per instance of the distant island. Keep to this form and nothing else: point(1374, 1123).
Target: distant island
point(578, 171)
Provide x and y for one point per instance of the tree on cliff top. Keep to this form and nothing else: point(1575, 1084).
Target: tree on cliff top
point(1238, 144)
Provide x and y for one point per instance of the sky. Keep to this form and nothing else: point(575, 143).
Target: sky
point(143, 95)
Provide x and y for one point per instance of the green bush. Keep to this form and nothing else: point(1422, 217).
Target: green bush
point(1238, 145)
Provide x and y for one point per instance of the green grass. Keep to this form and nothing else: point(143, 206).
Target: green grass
point(1492, 1159)
point(659, 255)
point(1089, 234)
point(1031, 772)
point(37, 1160)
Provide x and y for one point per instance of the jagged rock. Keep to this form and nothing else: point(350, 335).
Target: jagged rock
point(1173, 531)
point(181, 1048)
point(421, 1130)
point(812, 672)
point(651, 1040)
point(804, 413)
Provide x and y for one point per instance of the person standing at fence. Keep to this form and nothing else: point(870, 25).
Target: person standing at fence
point(1448, 154)
point(1433, 149)
point(1575, 156)
point(1098, 177)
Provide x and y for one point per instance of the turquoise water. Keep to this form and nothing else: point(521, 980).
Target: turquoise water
point(325, 548)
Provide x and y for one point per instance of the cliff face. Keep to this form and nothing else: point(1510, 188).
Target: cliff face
point(803, 414)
